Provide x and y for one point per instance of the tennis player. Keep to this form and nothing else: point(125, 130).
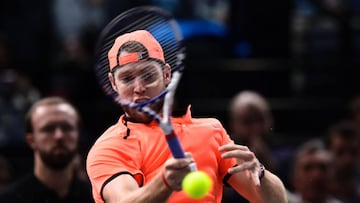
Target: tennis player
point(131, 161)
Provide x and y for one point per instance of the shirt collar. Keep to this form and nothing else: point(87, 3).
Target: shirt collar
point(181, 119)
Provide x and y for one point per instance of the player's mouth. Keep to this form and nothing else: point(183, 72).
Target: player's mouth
point(141, 99)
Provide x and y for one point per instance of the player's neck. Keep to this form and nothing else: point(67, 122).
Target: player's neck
point(134, 120)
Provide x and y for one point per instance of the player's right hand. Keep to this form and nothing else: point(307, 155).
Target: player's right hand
point(175, 170)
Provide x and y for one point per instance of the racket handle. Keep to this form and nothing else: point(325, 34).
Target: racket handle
point(174, 145)
point(176, 148)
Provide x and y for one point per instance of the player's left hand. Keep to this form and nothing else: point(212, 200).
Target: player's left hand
point(245, 160)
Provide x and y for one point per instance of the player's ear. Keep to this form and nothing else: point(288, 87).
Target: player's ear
point(112, 81)
point(167, 73)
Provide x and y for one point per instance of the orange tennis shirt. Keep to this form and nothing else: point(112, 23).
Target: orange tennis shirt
point(144, 150)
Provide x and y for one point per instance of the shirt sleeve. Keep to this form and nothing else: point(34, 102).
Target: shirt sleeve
point(112, 156)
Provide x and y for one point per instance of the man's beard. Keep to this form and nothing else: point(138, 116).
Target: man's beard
point(58, 161)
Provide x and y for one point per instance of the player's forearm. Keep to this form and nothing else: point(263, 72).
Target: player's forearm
point(272, 189)
point(155, 191)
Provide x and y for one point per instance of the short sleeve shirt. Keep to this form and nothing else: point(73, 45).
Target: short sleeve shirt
point(143, 151)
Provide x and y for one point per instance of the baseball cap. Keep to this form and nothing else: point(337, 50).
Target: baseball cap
point(154, 50)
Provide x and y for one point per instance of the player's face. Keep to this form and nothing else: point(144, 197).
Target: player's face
point(55, 135)
point(139, 82)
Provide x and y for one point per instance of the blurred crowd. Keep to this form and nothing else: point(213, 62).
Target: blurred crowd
point(47, 49)
point(321, 169)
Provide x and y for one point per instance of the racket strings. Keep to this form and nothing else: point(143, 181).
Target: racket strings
point(167, 41)
point(164, 29)
point(160, 28)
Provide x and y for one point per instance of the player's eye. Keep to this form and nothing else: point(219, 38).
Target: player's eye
point(126, 79)
point(149, 75)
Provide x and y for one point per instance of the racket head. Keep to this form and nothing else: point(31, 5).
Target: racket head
point(160, 24)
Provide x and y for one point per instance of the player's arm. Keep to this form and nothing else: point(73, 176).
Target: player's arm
point(245, 177)
point(124, 188)
point(271, 189)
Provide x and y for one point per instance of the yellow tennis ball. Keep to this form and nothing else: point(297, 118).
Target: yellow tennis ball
point(197, 184)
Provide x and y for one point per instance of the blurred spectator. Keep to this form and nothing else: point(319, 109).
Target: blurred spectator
point(312, 173)
point(77, 24)
point(212, 10)
point(343, 140)
point(354, 109)
point(5, 173)
point(73, 17)
point(17, 93)
point(251, 124)
point(216, 11)
point(169, 5)
point(52, 132)
point(323, 32)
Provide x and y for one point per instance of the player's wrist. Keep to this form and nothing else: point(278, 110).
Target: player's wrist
point(167, 185)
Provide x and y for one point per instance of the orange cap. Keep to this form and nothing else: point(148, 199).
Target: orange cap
point(143, 37)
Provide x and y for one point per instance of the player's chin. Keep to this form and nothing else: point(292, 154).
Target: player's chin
point(140, 117)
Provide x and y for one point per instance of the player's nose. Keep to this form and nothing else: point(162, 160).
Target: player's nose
point(139, 85)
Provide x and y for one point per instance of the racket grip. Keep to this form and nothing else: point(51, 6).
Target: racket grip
point(174, 145)
point(176, 148)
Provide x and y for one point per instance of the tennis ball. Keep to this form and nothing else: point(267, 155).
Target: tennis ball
point(197, 184)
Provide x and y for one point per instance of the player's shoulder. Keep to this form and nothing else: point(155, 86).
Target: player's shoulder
point(209, 128)
point(110, 136)
point(200, 121)
point(115, 130)
point(205, 120)
point(116, 138)
point(208, 121)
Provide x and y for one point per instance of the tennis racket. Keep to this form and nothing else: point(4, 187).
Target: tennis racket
point(165, 30)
